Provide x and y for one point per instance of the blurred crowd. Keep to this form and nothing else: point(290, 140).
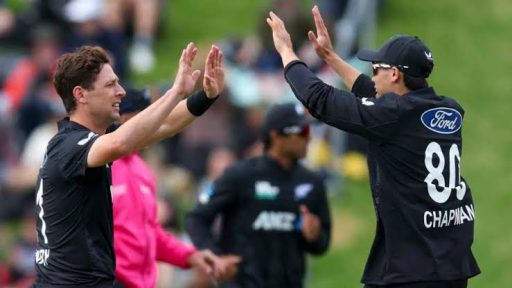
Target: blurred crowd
point(35, 35)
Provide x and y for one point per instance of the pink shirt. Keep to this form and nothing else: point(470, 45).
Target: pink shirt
point(139, 241)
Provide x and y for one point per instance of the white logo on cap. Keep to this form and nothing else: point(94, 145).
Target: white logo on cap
point(428, 54)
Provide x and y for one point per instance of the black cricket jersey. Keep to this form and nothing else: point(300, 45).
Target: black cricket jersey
point(258, 202)
point(424, 209)
point(73, 214)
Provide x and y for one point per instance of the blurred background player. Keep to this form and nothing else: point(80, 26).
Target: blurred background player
point(273, 209)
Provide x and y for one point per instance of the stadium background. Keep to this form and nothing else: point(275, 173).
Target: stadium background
point(470, 40)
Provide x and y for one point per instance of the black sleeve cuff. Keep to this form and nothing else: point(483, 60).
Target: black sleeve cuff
point(364, 87)
point(198, 103)
point(289, 65)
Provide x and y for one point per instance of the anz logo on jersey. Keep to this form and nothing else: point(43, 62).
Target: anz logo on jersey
point(442, 120)
point(274, 221)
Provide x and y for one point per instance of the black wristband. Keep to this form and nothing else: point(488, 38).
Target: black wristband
point(198, 103)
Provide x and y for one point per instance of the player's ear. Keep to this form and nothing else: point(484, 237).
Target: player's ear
point(396, 75)
point(79, 94)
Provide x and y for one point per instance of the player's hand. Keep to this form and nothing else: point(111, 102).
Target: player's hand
point(310, 224)
point(186, 78)
point(213, 81)
point(229, 266)
point(321, 42)
point(281, 37)
point(206, 262)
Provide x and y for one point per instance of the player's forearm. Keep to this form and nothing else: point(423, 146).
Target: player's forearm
point(134, 133)
point(346, 71)
point(183, 115)
point(179, 118)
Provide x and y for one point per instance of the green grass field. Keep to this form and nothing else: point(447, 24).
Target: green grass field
point(473, 62)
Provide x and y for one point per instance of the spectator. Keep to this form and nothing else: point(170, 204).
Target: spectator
point(145, 15)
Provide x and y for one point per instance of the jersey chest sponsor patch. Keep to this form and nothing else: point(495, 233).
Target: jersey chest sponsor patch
point(264, 190)
point(274, 221)
point(442, 120)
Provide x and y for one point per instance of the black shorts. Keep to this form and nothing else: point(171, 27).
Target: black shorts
point(437, 284)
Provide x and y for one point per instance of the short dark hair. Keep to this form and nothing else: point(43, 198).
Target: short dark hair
point(414, 83)
point(79, 68)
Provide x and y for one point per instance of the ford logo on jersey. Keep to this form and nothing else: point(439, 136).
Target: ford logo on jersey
point(442, 120)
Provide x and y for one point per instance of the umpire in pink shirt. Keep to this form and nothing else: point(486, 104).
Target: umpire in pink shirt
point(139, 240)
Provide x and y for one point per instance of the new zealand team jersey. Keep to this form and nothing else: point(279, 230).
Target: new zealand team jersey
point(425, 212)
point(74, 214)
point(259, 205)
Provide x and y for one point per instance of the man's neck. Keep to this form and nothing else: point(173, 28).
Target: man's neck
point(88, 122)
point(283, 161)
point(402, 90)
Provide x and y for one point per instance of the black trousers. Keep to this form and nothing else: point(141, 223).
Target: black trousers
point(437, 284)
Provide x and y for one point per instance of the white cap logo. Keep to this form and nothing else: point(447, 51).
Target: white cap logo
point(429, 55)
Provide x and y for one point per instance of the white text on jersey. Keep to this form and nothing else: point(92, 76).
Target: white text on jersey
point(274, 221)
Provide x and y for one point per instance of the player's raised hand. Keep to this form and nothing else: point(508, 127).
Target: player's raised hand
point(213, 81)
point(281, 37)
point(321, 41)
point(186, 78)
point(310, 224)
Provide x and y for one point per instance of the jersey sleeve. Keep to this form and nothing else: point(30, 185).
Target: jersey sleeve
point(214, 201)
point(322, 210)
point(364, 87)
point(365, 116)
point(73, 151)
point(171, 250)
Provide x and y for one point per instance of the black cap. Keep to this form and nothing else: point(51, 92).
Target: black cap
point(280, 116)
point(407, 53)
point(135, 100)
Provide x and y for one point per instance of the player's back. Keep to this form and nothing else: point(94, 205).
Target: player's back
point(424, 206)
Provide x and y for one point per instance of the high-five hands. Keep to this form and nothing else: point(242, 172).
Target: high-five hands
point(283, 43)
point(281, 37)
point(321, 42)
point(213, 81)
point(310, 224)
point(282, 40)
point(186, 78)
